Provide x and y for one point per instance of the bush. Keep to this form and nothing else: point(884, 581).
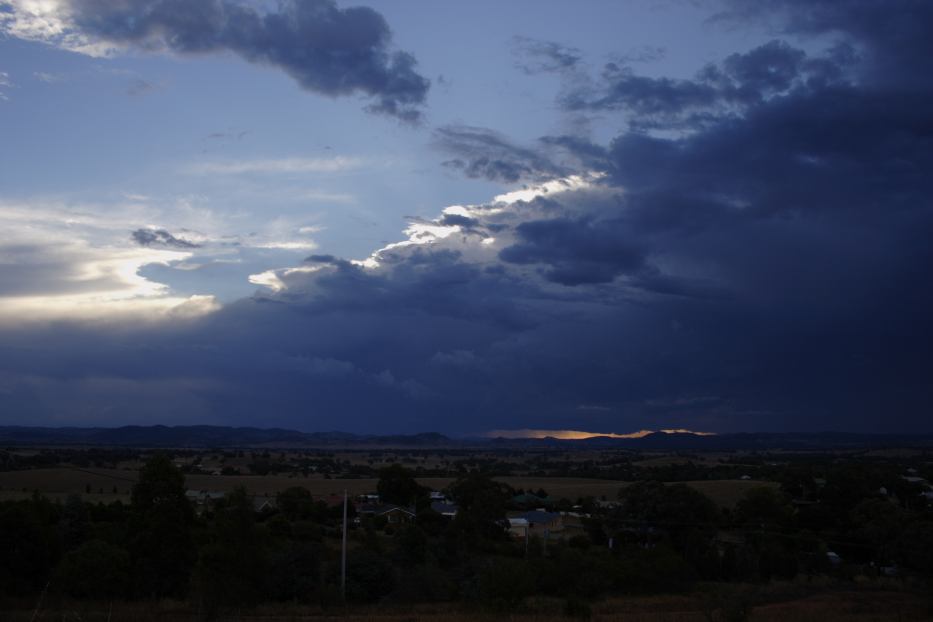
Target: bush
point(505, 582)
point(95, 569)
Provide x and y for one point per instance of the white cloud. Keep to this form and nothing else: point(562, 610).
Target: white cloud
point(302, 245)
point(555, 186)
point(46, 21)
point(275, 166)
point(66, 262)
point(315, 196)
point(48, 78)
point(4, 83)
point(277, 280)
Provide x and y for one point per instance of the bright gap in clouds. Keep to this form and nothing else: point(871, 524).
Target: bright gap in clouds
point(573, 435)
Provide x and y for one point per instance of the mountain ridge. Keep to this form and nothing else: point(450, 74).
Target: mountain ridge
point(201, 436)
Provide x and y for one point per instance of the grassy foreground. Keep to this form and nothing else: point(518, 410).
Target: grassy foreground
point(777, 602)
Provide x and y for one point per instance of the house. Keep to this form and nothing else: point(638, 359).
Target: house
point(540, 521)
point(203, 499)
point(264, 504)
point(394, 514)
point(518, 528)
point(444, 509)
point(333, 500)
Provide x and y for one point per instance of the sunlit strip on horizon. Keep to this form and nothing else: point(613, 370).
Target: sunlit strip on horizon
point(573, 435)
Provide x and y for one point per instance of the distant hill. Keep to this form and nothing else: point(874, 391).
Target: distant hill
point(206, 436)
point(225, 436)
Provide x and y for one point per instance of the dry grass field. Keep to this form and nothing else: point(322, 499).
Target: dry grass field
point(830, 606)
point(60, 482)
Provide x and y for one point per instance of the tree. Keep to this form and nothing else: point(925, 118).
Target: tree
point(295, 502)
point(29, 545)
point(369, 575)
point(232, 565)
point(95, 569)
point(412, 545)
point(686, 515)
point(763, 506)
point(74, 522)
point(397, 485)
point(482, 504)
point(161, 518)
point(504, 583)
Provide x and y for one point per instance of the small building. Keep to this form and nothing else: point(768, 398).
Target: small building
point(444, 509)
point(333, 500)
point(540, 521)
point(203, 499)
point(518, 528)
point(264, 504)
point(394, 514)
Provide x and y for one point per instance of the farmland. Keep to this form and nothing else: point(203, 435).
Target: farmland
point(107, 485)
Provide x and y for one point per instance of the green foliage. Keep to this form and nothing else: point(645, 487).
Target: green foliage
point(74, 522)
point(295, 503)
point(879, 523)
point(295, 572)
point(29, 545)
point(504, 582)
point(576, 573)
point(161, 518)
point(577, 608)
point(672, 504)
point(370, 576)
point(482, 505)
point(424, 583)
point(412, 545)
point(232, 567)
point(96, 570)
point(397, 485)
point(764, 506)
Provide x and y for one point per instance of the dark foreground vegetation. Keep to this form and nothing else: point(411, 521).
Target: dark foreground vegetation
point(832, 524)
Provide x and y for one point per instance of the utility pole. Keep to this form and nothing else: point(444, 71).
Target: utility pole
point(343, 555)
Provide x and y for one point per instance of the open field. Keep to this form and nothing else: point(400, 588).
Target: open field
point(60, 482)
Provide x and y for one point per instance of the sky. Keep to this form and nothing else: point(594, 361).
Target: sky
point(471, 218)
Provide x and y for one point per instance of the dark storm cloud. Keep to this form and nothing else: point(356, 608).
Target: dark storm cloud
point(161, 238)
point(766, 268)
point(326, 49)
point(728, 88)
point(894, 35)
point(483, 153)
point(575, 251)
